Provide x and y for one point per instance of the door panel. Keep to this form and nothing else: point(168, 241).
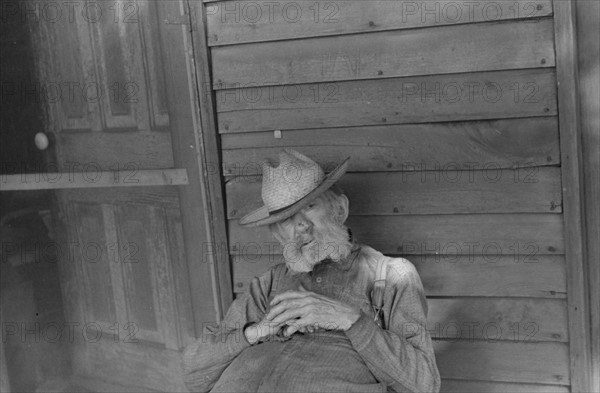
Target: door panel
point(127, 284)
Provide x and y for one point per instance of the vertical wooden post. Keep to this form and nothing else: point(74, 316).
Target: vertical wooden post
point(206, 135)
point(572, 182)
point(588, 41)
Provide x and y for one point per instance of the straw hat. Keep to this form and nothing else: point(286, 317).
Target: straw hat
point(290, 186)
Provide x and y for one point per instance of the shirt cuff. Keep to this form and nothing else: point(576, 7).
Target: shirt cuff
point(238, 342)
point(362, 331)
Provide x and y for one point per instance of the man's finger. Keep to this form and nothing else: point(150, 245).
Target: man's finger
point(288, 295)
point(291, 314)
point(281, 307)
point(291, 329)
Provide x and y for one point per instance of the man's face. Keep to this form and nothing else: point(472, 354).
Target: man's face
point(312, 235)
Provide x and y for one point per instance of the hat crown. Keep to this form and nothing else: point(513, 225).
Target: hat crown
point(294, 178)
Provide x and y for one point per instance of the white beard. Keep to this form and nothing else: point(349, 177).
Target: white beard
point(330, 241)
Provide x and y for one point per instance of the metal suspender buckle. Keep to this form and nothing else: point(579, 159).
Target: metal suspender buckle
point(378, 291)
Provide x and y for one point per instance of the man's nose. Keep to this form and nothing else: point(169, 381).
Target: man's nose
point(301, 224)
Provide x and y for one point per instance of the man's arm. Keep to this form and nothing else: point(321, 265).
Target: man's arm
point(205, 359)
point(401, 355)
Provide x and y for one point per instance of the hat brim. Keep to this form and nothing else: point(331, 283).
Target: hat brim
point(262, 216)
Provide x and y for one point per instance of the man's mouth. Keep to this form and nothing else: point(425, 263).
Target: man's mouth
point(308, 243)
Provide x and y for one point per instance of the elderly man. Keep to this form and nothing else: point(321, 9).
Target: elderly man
point(338, 316)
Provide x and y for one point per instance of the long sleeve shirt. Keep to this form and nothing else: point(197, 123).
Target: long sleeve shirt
point(364, 358)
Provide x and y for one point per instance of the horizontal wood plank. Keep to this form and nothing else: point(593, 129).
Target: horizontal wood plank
point(248, 21)
point(510, 276)
point(544, 363)
point(495, 46)
point(115, 150)
point(531, 190)
point(491, 235)
point(160, 196)
point(458, 386)
point(506, 143)
point(424, 99)
point(498, 319)
point(94, 178)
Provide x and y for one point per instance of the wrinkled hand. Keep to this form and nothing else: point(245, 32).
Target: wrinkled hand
point(303, 311)
point(258, 331)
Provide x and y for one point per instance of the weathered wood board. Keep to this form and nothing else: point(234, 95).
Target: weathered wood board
point(234, 22)
point(516, 320)
point(545, 363)
point(115, 151)
point(506, 143)
point(495, 46)
point(526, 190)
point(419, 99)
point(461, 386)
point(491, 235)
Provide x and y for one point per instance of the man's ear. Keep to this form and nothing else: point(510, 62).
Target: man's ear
point(344, 208)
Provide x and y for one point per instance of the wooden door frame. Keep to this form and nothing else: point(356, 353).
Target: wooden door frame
point(567, 76)
point(202, 161)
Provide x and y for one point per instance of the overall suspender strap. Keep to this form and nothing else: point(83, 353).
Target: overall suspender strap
point(379, 289)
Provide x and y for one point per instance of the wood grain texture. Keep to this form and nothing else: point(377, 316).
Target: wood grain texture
point(154, 63)
point(461, 386)
point(424, 99)
point(161, 263)
point(148, 150)
point(507, 143)
point(588, 20)
point(491, 235)
point(533, 276)
point(181, 285)
point(206, 154)
point(66, 62)
point(246, 21)
point(531, 190)
point(567, 78)
point(136, 266)
point(496, 46)
point(544, 363)
point(516, 320)
point(96, 262)
point(122, 87)
point(161, 196)
point(187, 130)
point(93, 177)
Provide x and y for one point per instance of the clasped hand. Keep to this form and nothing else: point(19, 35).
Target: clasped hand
point(303, 311)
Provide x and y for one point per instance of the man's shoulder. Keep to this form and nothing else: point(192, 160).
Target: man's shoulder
point(396, 266)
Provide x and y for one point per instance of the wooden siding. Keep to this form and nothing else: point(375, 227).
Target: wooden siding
point(472, 145)
point(240, 22)
point(419, 99)
point(452, 126)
